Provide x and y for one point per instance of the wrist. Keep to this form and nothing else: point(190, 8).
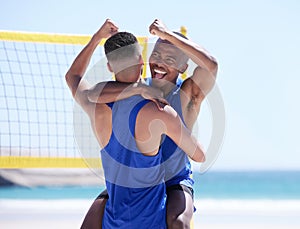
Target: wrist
point(166, 35)
point(96, 39)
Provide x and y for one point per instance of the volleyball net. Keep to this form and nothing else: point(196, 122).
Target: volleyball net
point(36, 107)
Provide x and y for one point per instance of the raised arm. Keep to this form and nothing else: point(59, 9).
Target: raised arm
point(197, 86)
point(194, 51)
point(74, 76)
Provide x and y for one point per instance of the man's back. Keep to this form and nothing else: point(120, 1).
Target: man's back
point(135, 182)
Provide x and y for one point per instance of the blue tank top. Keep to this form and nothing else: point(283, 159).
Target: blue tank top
point(177, 164)
point(135, 183)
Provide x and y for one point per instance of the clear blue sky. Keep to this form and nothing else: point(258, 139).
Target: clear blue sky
point(257, 44)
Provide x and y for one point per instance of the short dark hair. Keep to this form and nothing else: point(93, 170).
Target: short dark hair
point(118, 42)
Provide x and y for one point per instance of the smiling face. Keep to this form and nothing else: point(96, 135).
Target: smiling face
point(166, 62)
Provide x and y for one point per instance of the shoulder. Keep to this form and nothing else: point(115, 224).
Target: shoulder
point(99, 114)
point(157, 121)
point(149, 108)
point(150, 112)
point(200, 83)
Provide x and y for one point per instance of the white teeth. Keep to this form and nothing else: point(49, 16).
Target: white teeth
point(159, 72)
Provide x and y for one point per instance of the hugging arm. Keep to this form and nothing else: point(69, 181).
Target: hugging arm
point(182, 136)
point(168, 122)
point(111, 91)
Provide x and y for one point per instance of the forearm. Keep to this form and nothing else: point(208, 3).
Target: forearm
point(189, 144)
point(111, 91)
point(78, 68)
point(195, 52)
point(192, 148)
point(182, 136)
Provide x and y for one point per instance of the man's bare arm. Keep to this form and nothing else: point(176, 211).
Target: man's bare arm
point(194, 51)
point(111, 91)
point(74, 76)
point(182, 136)
point(169, 123)
point(204, 75)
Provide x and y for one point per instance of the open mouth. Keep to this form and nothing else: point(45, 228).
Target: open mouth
point(159, 74)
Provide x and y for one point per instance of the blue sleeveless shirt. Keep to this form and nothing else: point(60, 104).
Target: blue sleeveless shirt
point(177, 164)
point(135, 183)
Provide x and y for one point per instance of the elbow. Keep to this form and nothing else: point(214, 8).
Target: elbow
point(203, 159)
point(67, 77)
point(199, 156)
point(69, 82)
point(214, 67)
point(91, 96)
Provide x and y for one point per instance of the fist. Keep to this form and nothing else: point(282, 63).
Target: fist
point(108, 29)
point(158, 28)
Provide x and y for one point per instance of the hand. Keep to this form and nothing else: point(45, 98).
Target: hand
point(158, 28)
point(155, 95)
point(108, 29)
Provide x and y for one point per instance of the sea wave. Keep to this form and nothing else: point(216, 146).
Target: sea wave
point(249, 204)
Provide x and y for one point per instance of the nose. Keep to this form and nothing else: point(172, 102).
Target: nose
point(157, 61)
point(159, 64)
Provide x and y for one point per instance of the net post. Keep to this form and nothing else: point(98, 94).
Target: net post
point(183, 31)
point(144, 43)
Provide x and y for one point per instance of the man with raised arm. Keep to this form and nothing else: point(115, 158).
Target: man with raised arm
point(129, 132)
point(168, 60)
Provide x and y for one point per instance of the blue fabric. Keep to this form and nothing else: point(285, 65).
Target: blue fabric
point(135, 183)
point(177, 164)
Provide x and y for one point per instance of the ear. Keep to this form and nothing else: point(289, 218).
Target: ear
point(141, 61)
point(183, 68)
point(109, 67)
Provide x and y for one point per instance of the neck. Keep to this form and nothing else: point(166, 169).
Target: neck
point(166, 87)
point(129, 75)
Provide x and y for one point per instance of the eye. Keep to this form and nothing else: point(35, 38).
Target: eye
point(154, 55)
point(169, 61)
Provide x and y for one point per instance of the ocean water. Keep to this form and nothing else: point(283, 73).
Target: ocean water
point(277, 185)
point(222, 199)
point(248, 185)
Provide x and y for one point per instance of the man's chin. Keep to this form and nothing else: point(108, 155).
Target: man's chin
point(159, 83)
point(156, 82)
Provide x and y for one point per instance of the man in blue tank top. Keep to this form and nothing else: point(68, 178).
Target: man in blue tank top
point(168, 59)
point(129, 132)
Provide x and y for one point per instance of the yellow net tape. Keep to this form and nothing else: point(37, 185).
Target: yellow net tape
point(43, 161)
point(15, 162)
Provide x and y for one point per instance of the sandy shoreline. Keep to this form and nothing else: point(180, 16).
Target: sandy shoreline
point(211, 214)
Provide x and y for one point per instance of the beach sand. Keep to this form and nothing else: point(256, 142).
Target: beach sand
point(210, 214)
